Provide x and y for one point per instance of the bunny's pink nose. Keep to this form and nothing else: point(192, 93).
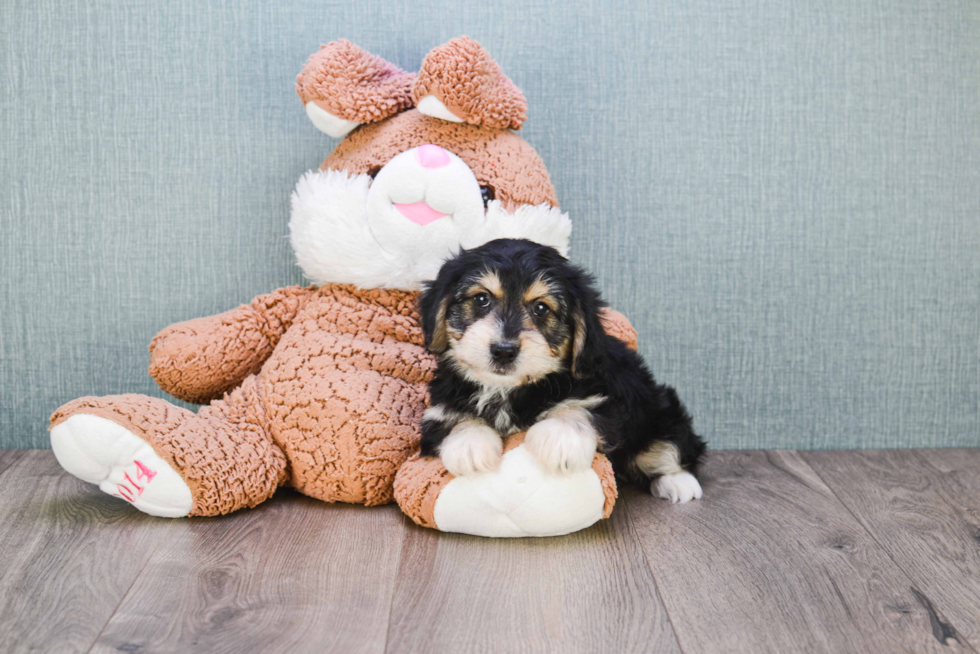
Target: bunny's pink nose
point(432, 156)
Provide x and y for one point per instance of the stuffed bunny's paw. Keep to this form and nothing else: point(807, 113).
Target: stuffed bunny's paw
point(102, 452)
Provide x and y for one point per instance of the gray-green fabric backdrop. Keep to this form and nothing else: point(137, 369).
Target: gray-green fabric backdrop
point(784, 196)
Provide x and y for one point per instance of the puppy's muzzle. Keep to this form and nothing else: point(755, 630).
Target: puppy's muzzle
point(504, 353)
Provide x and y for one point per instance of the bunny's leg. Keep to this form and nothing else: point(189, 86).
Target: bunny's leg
point(167, 461)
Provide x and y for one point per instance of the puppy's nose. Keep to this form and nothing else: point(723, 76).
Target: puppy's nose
point(432, 156)
point(504, 352)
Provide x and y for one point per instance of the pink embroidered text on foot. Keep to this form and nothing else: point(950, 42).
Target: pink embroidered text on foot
point(130, 494)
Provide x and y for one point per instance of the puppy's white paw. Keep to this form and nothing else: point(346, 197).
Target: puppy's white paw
point(562, 444)
point(471, 447)
point(680, 487)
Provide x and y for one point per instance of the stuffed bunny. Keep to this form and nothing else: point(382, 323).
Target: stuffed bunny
point(323, 387)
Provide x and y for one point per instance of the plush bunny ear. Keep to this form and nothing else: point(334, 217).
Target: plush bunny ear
point(459, 82)
point(343, 86)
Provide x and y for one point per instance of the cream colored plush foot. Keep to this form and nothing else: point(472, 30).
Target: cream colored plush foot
point(122, 464)
point(521, 498)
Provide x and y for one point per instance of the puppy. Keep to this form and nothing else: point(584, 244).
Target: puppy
point(521, 346)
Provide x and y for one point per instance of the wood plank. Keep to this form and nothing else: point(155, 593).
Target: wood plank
point(68, 554)
point(923, 507)
point(587, 592)
point(771, 561)
point(292, 575)
point(9, 457)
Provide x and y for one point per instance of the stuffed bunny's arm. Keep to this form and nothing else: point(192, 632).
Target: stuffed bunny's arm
point(200, 360)
point(618, 325)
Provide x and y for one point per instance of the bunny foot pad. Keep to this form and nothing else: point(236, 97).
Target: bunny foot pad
point(518, 499)
point(101, 452)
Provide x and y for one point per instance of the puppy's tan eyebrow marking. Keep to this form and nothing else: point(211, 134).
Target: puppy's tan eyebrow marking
point(539, 291)
point(491, 283)
point(536, 291)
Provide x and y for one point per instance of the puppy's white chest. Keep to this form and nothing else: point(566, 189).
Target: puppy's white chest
point(494, 407)
point(499, 416)
point(502, 422)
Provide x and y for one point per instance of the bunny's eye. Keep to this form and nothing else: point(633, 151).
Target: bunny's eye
point(488, 195)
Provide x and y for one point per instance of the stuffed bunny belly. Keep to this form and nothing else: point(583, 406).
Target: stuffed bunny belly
point(345, 390)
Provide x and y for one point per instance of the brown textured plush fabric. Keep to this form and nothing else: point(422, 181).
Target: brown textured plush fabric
point(417, 486)
point(607, 478)
point(499, 158)
point(225, 453)
point(421, 479)
point(350, 83)
point(618, 326)
point(346, 389)
point(463, 76)
point(333, 409)
point(199, 360)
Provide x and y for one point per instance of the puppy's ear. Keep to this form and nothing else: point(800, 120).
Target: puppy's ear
point(433, 309)
point(588, 335)
point(437, 295)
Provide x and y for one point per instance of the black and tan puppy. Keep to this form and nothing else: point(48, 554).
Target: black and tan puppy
point(521, 347)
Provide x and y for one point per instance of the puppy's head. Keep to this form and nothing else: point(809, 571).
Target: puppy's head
point(511, 312)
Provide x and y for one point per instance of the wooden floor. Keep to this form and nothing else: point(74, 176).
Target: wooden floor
point(864, 552)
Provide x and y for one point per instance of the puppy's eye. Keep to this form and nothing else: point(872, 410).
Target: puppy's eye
point(540, 309)
point(488, 195)
point(482, 300)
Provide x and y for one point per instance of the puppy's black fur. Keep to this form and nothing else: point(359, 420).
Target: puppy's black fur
point(637, 412)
